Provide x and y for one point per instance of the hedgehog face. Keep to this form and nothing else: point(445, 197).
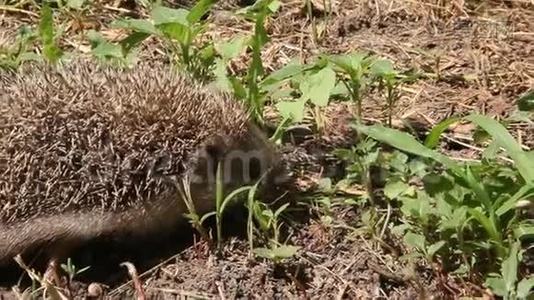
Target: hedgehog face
point(244, 161)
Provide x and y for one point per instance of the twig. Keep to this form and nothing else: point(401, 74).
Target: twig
point(136, 281)
point(18, 10)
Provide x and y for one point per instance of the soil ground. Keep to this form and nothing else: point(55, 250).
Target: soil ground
point(477, 57)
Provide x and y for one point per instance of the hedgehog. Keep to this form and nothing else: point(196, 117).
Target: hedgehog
point(88, 150)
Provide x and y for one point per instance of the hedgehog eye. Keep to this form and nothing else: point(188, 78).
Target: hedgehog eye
point(254, 168)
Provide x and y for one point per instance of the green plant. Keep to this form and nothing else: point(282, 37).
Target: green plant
point(222, 202)
point(526, 101)
point(387, 80)
point(277, 253)
point(195, 220)
point(71, 269)
point(47, 34)
point(463, 216)
point(353, 69)
point(20, 51)
point(178, 28)
point(505, 284)
point(315, 84)
point(249, 88)
point(269, 224)
point(41, 287)
point(360, 158)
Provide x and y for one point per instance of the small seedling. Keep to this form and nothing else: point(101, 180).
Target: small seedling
point(71, 269)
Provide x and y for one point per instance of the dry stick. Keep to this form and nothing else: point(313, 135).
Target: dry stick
point(183, 293)
point(18, 10)
point(136, 281)
point(474, 147)
point(117, 290)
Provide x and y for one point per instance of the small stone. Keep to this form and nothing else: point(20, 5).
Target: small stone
point(95, 290)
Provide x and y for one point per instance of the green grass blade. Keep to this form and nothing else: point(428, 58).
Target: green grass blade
point(232, 195)
point(486, 224)
point(432, 139)
point(405, 142)
point(199, 10)
point(524, 192)
point(499, 133)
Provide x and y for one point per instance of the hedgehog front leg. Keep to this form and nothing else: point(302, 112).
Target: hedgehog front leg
point(54, 274)
point(53, 271)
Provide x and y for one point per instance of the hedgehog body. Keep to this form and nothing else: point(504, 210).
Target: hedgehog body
point(87, 150)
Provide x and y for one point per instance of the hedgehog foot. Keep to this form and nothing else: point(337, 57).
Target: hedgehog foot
point(54, 275)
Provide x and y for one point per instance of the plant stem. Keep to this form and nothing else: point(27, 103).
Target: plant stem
point(219, 199)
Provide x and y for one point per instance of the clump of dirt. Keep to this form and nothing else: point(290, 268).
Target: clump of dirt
point(331, 261)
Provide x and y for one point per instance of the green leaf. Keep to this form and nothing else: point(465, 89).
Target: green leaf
point(499, 133)
point(524, 231)
point(523, 193)
point(349, 63)
point(526, 102)
point(132, 40)
point(318, 86)
point(289, 70)
point(239, 89)
point(392, 190)
point(432, 249)
point(232, 48)
point(206, 216)
point(46, 32)
point(400, 229)
point(233, 195)
point(29, 56)
point(476, 186)
point(456, 220)
point(269, 214)
point(281, 252)
point(525, 287)
point(143, 26)
point(486, 223)
point(405, 142)
point(107, 50)
point(432, 139)
point(491, 151)
point(263, 221)
point(264, 252)
point(75, 4)
point(164, 15)
point(285, 251)
point(509, 268)
point(221, 78)
point(382, 67)
point(415, 240)
point(177, 32)
point(292, 109)
point(497, 286)
point(281, 209)
point(95, 38)
point(274, 6)
point(435, 184)
point(199, 10)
